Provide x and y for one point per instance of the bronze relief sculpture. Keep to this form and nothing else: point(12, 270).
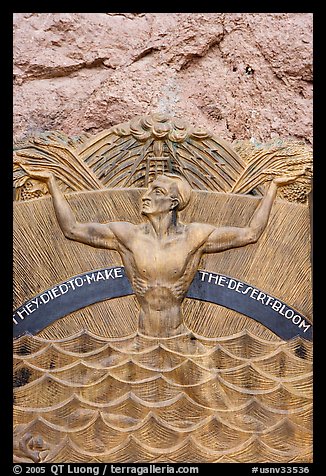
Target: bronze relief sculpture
point(160, 256)
point(187, 380)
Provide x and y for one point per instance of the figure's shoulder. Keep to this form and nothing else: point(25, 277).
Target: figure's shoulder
point(204, 227)
point(199, 230)
point(120, 228)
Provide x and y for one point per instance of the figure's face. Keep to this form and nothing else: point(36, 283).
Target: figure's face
point(158, 198)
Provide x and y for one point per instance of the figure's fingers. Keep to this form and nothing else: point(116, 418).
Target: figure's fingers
point(303, 171)
point(268, 175)
point(298, 174)
point(25, 167)
point(29, 170)
point(18, 160)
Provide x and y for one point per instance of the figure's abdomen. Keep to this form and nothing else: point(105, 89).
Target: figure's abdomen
point(160, 313)
point(160, 298)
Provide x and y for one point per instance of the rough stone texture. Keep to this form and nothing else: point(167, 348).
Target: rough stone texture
point(240, 76)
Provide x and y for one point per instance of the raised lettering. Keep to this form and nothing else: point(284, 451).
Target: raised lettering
point(71, 283)
point(20, 313)
point(35, 301)
point(303, 324)
point(213, 276)
point(112, 273)
point(90, 278)
point(254, 291)
point(277, 305)
point(261, 296)
point(63, 288)
point(55, 292)
point(239, 285)
point(232, 284)
point(109, 274)
point(43, 298)
point(289, 314)
point(118, 272)
point(269, 299)
point(281, 311)
point(30, 308)
point(79, 281)
point(246, 290)
point(203, 274)
point(50, 294)
point(221, 279)
point(296, 319)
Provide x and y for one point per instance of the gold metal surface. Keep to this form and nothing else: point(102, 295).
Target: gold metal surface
point(155, 376)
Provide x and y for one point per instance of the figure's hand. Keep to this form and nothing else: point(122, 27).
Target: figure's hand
point(285, 179)
point(37, 173)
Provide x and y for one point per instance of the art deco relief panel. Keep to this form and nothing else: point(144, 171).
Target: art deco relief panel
point(162, 292)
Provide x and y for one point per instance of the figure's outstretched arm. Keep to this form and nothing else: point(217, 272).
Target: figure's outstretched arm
point(225, 238)
point(94, 234)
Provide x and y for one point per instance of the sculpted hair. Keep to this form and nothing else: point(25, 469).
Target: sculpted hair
point(183, 189)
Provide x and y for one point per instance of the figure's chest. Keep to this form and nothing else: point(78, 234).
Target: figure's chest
point(165, 258)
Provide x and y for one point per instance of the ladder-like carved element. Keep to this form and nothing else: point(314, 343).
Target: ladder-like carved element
point(105, 393)
point(133, 153)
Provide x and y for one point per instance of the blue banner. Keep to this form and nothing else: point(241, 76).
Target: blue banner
point(108, 283)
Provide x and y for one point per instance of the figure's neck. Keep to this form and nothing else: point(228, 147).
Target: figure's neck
point(162, 225)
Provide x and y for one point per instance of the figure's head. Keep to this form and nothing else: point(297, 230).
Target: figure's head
point(168, 192)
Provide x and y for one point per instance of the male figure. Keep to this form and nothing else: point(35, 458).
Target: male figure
point(161, 255)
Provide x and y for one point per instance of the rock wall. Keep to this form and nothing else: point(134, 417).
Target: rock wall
point(241, 76)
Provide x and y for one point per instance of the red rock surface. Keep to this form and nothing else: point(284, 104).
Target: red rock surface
point(240, 76)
